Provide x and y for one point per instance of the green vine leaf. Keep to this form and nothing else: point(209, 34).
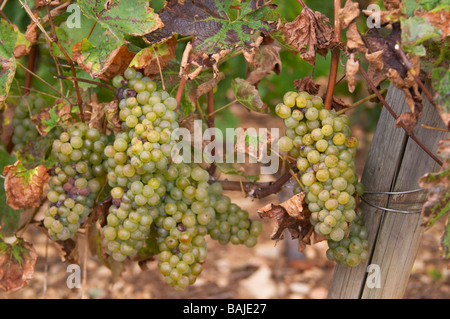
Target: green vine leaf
point(8, 38)
point(133, 17)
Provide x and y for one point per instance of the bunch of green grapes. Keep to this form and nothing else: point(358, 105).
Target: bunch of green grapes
point(153, 193)
point(232, 224)
point(325, 150)
point(24, 129)
point(76, 179)
point(137, 161)
point(181, 224)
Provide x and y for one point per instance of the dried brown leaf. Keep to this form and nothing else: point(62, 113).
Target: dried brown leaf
point(204, 88)
point(25, 188)
point(410, 88)
point(32, 32)
point(307, 84)
point(409, 121)
point(375, 70)
point(293, 216)
point(352, 68)
point(309, 32)
point(116, 63)
point(348, 13)
point(439, 19)
point(354, 40)
point(14, 274)
point(266, 60)
point(111, 110)
point(155, 58)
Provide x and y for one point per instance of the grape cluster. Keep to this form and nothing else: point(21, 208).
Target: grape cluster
point(137, 160)
point(76, 179)
point(325, 150)
point(153, 193)
point(24, 129)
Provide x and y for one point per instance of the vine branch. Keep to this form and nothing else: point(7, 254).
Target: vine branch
point(68, 59)
point(335, 53)
point(395, 116)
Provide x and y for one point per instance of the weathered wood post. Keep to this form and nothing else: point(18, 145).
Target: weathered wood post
point(394, 163)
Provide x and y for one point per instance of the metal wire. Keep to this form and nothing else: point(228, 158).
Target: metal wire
point(395, 193)
point(389, 209)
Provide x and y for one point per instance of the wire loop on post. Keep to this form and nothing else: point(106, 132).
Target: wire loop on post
point(392, 193)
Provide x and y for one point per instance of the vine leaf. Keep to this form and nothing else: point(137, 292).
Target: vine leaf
point(151, 59)
point(7, 60)
point(307, 84)
point(214, 33)
point(441, 85)
point(25, 188)
point(293, 216)
point(103, 59)
point(248, 95)
point(9, 217)
point(17, 262)
point(348, 13)
point(438, 186)
point(351, 69)
point(132, 17)
point(37, 152)
point(265, 60)
point(308, 33)
point(52, 116)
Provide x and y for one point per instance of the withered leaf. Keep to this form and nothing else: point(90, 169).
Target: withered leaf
point(409, 121)
point(152, 59)
point(410, 88)
point(248, 95)
point(196, 91)
point(25, 188)
point(378, 41)
point(293, 216)
point(354, 40)
point(348, 13)
point(309, 32)
point(17, 262)
point(111, 110)
point(212, 30)
point(375, 70)
point(438, 187)
point(265, 61)
point(307, 84)
point(351, 69)
point(104, 60)
point(57, 114)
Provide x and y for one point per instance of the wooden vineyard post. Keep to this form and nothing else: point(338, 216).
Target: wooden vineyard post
point(394, 164)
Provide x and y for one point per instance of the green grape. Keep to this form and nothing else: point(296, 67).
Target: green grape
point(75, 184)
point(325, 152)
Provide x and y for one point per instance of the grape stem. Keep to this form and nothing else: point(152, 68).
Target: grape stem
point(362, 101)
point(335, 54)
point(395, 116)
point(257, 189)
point(46, 83)
point(68, 59)
point(71, 78)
